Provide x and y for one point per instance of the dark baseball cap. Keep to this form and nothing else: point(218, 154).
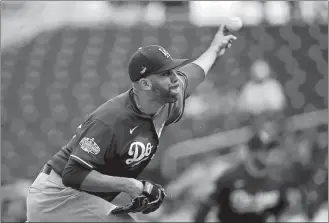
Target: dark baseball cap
point(151, 59)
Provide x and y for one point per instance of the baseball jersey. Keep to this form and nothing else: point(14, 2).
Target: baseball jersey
point(119, 140)
point(242, 197)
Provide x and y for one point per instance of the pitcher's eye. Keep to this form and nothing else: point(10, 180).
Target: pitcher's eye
point(166, 74)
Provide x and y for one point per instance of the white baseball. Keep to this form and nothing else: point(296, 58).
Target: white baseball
point(234, 24)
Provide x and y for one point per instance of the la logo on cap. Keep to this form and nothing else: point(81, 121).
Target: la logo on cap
point(143, 70)
point(164, 52)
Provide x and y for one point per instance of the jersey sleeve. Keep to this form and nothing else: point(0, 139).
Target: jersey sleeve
point(194, 75)
point(176, 109)
point(223, 184)
point(190, 76)
point(93, 144)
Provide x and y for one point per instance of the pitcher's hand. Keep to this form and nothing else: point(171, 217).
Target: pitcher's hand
point(221, 41)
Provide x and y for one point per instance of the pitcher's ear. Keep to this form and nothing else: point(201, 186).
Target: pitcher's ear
point(145, 83)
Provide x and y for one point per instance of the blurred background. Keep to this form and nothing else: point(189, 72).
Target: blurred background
point(60, 60)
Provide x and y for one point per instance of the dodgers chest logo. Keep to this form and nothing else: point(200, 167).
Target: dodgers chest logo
point(138, 152)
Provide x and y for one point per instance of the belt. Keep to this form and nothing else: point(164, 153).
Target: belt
point(46, 169)
point(52, 175)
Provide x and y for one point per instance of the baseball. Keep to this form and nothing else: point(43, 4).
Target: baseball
point(234, 24)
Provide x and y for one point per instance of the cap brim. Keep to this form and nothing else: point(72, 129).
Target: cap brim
point(174, 64)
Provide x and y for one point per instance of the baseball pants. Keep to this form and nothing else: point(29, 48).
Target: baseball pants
point(49, 200)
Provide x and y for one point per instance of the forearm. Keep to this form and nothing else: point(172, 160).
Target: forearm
point(97, 182)
point(76, 176)
point(207, 60)
point(198, 69)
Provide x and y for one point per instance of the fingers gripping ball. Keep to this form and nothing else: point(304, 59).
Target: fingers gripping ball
point(234, 24)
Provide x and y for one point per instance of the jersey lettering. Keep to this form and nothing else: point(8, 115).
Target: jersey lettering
point(243, 202)
point(139, 152)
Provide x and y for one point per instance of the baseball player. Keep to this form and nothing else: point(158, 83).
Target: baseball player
point(117, 141)
point(248, 192)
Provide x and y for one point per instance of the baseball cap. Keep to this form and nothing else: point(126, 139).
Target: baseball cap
point(151, 59)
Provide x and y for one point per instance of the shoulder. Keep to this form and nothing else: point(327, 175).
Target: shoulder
point(183, 78)
point(226, 182)
point(114, 111)
point(176, 109)
point(229, 176)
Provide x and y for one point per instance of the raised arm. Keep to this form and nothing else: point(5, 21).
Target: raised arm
point(198, 69)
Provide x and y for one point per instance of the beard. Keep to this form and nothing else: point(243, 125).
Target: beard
point(164, 95)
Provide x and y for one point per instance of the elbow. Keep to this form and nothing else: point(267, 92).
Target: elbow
point(67, 178)
point(199, 71)
point(73, 176)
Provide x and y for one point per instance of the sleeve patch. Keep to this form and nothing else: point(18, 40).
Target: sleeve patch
point(89, 145)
